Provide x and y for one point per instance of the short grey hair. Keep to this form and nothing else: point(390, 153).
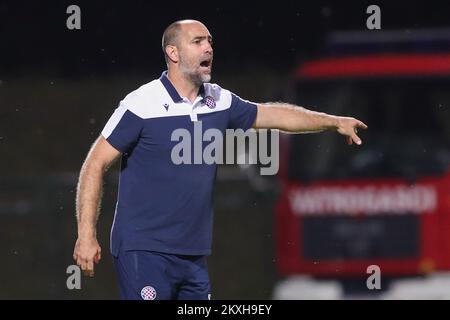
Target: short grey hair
point(170, 36)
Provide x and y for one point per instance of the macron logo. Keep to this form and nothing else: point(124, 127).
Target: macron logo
point(166, 105)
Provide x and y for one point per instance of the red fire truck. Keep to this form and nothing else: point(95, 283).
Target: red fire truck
point(387, 202)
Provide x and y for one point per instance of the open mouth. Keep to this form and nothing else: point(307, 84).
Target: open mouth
point(205, 63)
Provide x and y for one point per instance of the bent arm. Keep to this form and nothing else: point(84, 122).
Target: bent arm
point(296, 119)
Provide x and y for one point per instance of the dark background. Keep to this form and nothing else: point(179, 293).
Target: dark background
point(58, 87)
point(125, 36)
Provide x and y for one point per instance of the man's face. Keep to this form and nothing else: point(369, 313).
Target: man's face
point(195, 52)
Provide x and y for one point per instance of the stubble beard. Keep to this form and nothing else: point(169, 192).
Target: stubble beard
point(193, 75)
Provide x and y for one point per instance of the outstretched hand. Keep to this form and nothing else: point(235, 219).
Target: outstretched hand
point(348, 127)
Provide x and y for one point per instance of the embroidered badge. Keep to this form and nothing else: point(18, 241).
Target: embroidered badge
point(210, 102)
point(148, 293)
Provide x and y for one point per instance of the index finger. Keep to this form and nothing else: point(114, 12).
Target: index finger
point(361, 124)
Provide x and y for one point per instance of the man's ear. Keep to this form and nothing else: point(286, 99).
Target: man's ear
point(172, 53)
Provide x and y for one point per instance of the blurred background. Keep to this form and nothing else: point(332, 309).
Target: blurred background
point(312, 231)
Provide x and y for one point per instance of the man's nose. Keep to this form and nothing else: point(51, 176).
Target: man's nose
point(209, 48)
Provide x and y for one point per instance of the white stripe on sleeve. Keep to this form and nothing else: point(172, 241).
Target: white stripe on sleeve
point(113, 121)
